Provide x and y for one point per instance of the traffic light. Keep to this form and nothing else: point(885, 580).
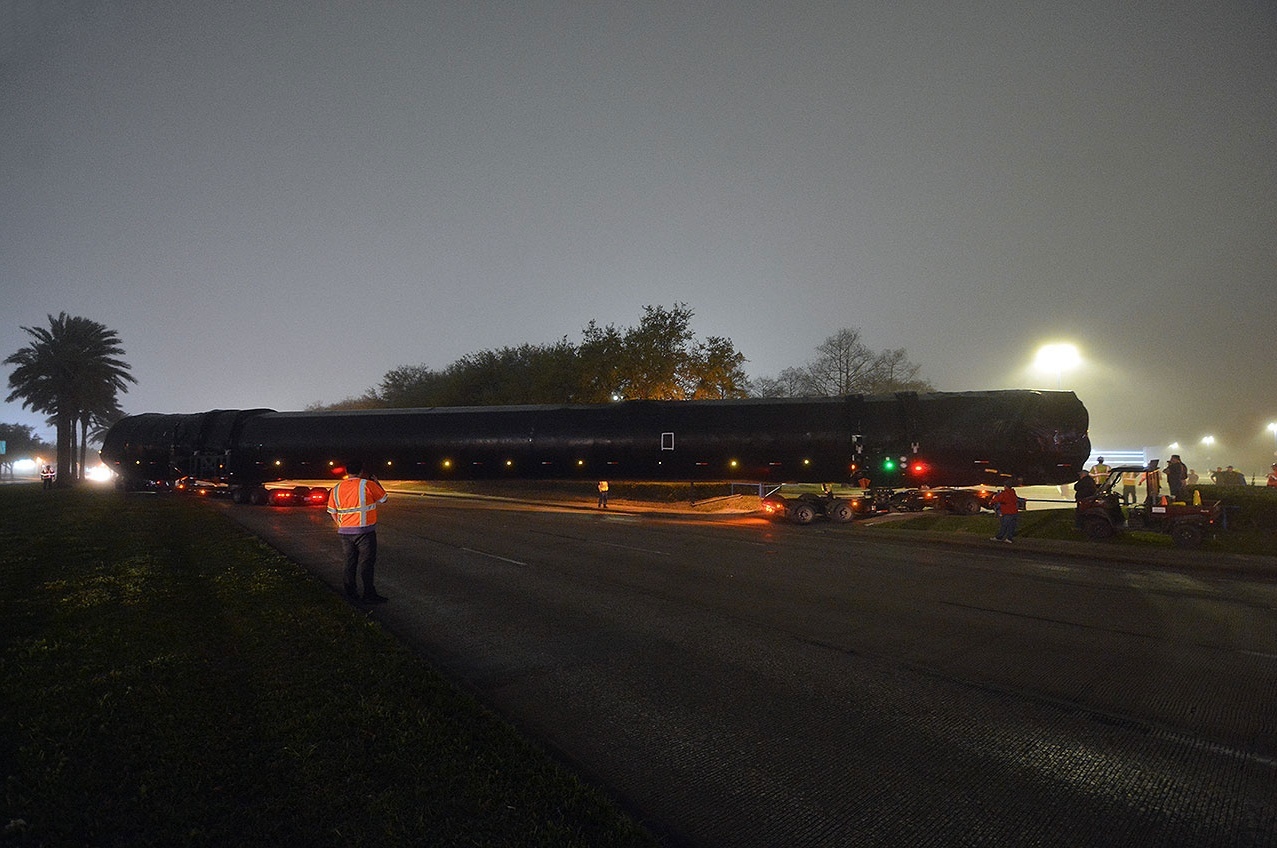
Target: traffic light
point(889, 465)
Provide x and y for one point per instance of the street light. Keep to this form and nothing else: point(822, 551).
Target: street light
point(1056, 358)
point(1209, 442)
point(1273, 428)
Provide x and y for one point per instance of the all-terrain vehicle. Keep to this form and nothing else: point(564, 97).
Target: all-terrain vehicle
point(1102, 516)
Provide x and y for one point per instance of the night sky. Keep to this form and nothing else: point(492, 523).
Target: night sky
point(275, 203)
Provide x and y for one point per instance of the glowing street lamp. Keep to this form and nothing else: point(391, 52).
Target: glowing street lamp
point(1273, 429)
point(1208, 442)
point(1057, 358)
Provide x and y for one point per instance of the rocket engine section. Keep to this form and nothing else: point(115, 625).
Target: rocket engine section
point(906, 439)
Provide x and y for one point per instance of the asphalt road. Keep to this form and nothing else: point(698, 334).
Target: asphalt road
point(739, 683)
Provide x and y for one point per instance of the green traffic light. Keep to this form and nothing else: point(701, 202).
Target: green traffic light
point(889, 465)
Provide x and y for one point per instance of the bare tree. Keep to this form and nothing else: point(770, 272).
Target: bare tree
point(892, 372)
point(845, 365)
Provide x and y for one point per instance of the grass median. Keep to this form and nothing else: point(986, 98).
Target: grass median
point(1252, 528)
point(168, 679)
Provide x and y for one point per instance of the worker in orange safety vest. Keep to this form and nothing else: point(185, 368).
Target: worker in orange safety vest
point(353, 505)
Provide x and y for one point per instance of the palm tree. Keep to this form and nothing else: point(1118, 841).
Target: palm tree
point(71, 372)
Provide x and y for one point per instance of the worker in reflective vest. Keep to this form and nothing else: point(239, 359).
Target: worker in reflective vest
point(353, 505)
point(1130, 482)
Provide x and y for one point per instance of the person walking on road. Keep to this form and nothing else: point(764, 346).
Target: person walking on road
point(353, 505)
point(1008, 506)
point(602, 494)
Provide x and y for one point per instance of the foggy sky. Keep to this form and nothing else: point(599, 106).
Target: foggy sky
point(275, 203)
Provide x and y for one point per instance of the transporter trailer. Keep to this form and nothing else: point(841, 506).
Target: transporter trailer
point(807, 507)
point(939, 441)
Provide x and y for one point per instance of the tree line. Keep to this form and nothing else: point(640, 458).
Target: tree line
point(660, 358)
point(72, 371)
point(21, 441)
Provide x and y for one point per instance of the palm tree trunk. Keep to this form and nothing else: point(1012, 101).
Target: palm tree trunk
point(74, 471)
point(66, 450)
point(84, 444)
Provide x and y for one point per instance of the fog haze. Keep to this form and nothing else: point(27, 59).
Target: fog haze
point(275, 203)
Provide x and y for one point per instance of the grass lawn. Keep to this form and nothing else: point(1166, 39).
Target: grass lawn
point(1246, 535)
point(168, 679)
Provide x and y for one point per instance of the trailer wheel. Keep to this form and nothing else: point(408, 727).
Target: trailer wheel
point(1186, 535)
point(802, 513)
point(1097, 528)
point(964, 505)
point(841, 512)
point(239, 495)
point(258, 496)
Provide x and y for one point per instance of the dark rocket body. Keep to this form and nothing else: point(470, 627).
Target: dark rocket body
point(907, 439)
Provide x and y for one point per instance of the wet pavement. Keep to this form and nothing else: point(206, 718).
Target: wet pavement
point(740, 683)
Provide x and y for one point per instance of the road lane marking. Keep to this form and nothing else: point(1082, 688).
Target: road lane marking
point(494, 556)
point(629, 548)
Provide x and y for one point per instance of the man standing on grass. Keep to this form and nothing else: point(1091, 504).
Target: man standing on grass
point(353, 505)
point(1007, 503)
